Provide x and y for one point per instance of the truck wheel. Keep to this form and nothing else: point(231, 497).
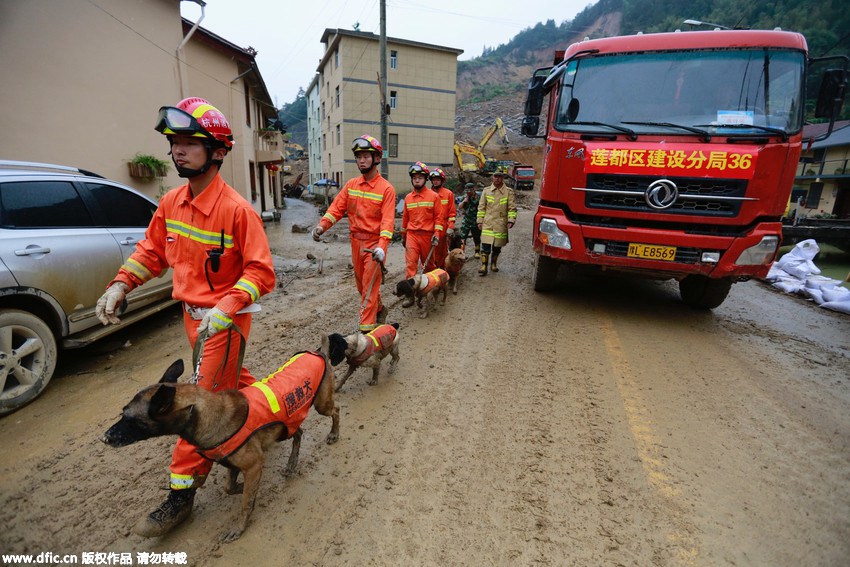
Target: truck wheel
point(545, 273)
point(703, 292)
point(27, 358)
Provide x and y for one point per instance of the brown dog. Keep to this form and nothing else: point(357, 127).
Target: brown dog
point(454, 264)
point(235, 427)
point(367, 350)
point(424, 287)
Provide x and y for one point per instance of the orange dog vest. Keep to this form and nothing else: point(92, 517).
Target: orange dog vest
point(377, 340)
point(283, 397)
point(436, 278)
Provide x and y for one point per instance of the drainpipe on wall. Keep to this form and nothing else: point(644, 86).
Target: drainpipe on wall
point(184, 87)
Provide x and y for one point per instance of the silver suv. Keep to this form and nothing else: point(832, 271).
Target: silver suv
point(64, 233)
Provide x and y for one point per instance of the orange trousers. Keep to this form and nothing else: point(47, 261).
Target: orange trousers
point(367, 273)
point(218, 372)
point(416, 248)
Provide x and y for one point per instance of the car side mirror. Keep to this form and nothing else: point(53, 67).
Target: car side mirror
point(831, 93)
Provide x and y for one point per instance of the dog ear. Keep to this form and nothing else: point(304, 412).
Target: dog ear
point(336, 348)
point(395, 325)
point(161, 401)
point(173, 372)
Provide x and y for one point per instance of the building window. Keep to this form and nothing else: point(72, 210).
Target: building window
point(323, 111)
point(337, 97)
point(247, 104)
point(338, 134)
point(336, 59)
point(393, 96)
point(393, 59)
point(393, 149)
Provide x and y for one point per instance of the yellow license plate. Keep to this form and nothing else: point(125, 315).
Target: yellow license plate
point(652, 252)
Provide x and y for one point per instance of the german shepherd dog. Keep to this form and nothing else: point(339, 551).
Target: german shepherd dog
point(214, 420)
point(367, 350)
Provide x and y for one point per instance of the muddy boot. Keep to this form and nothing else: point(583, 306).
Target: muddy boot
point(482, 271)
point(382, 315)
point(493, 263)
point(477, 251)
point(170, 513)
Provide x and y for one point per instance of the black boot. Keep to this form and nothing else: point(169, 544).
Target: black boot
point(382, 315)
point(170, 513)
point(494, 263)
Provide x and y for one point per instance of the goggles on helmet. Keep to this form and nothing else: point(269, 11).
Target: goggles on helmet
point(366, 144)
point(175, 121)
point(418, 167)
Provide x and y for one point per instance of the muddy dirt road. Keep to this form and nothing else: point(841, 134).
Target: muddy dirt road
point(604, 424)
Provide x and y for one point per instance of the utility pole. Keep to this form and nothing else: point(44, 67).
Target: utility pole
point(382, 46)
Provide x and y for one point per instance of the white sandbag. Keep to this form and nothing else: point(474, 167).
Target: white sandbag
point(836, 294)
point(788, 285)
point(840, 306)
point(813, 293)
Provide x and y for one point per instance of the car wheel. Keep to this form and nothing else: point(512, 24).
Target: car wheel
point(27, 358)
point(702, 292)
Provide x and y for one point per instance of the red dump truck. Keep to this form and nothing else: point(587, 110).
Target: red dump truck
point(523, 176)
point(673, 155)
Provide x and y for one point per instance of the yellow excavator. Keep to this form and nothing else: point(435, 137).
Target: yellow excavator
point(481, 162)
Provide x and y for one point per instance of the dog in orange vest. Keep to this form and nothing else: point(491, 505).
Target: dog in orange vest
point(423, 289)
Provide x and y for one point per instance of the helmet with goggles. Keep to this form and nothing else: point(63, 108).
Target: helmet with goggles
point(367, 143)
point(195, 117)
point(437, 173)
point(418, 168)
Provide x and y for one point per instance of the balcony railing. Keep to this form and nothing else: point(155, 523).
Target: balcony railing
point(828, 168)
point(268, 145)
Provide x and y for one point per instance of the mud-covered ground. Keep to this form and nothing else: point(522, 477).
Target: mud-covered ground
point(604, 424)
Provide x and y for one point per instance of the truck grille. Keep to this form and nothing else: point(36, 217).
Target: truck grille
point(697, 196)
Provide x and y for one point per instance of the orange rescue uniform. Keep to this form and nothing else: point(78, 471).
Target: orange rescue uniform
point(284, 397)
point(181, 232)
point(447, 201)
point(422, 219)
point(370, 206)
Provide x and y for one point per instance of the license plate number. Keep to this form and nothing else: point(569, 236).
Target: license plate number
point(652, 252)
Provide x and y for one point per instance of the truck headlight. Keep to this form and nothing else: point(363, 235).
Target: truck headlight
point(551, 235)
point(761, 253)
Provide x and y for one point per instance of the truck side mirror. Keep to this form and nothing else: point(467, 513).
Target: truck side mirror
point(530, 126)
point(831, 94)
point(534, 98)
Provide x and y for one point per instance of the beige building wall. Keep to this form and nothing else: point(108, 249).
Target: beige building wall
point(423, 82)
point(80, 89)
point(83, 81)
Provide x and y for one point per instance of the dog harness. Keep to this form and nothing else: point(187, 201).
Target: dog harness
point(377, 340)
point(436, 278)
point(283, 397)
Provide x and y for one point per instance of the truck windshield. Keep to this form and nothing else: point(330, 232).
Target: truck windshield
point(672, 92)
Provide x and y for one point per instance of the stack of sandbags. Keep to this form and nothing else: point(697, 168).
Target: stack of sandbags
point(796, 272)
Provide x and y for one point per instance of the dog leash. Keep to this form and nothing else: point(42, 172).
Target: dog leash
point(198, 355)
point(427, 259)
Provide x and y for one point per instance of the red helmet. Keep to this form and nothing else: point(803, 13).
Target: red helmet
point(367, 143)
point(438, 173)
point(418, 167)
point(195, 117)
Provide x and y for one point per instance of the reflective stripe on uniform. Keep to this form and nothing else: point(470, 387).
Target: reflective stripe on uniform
point(198, 235)
point(182, 481)
point(386, 234)
point(249, 288)
point(494, 234)
point(137, 269)
point(365, 195)
point(330, 217)
point(427, 204)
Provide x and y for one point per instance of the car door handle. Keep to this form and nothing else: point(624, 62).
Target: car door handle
point(127, 241)
point(31, 251)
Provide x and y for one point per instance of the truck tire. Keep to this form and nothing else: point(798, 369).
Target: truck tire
point(27, 358)
point(545, 273)
point(702, 292)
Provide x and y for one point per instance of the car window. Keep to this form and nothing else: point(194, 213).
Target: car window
point(42, 204)
point(120, 207)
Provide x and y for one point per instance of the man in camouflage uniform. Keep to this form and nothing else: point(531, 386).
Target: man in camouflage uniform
point(469, 208)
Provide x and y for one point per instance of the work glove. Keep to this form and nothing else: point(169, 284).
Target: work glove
point(450, 232)
point(317, 232)
point(214, 321)
point(109, 303)
point(378, 254)
point(435, 240)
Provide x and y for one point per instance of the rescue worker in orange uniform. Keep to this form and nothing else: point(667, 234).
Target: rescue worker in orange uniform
point(421, 220)
point(369, 202)
point(216, 245)
point(447, 202)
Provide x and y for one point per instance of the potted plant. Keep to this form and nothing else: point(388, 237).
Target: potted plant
point(147, 167)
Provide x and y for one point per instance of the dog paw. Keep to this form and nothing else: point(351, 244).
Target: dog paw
point(332, 438)
point(231, 535)
point(372, 382)
point(289, 471)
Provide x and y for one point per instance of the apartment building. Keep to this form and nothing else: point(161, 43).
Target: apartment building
point(421, 85)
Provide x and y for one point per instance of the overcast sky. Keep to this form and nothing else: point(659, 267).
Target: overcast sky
point(287, 34)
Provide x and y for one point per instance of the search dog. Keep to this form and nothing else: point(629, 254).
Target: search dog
point(424, 288)
point(454, 265)
point(366, 351)
point(213, 421)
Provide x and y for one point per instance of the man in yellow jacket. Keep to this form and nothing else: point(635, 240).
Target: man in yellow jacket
point(496, 215)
